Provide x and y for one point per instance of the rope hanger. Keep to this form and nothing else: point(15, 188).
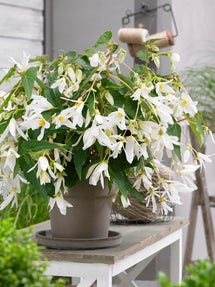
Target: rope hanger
point(135, 37)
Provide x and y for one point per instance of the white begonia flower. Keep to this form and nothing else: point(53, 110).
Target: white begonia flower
point(152, 194)
point(35, 122)
point(117, 118)
point(9, 107)
point(71, 74)
point(58, 166)
point(132, 149)
point(24, 65)
point(96, 133)
point(43, 166)
point(142, 179)
point(163, 112)
point(38, 105)
point(94, 60)
point(62, 204)
point(58, 183)
point(116, 145)
point(77, 114)
point(60, 84)
point(9, 189)
point(109, 98)
point(163, 87)
point(12, 130)
point(187, 153)
point(10, 157)
point(161, 139)
point(63, 119)
point(188, 105)
point(95, 173)
point(187, 175)
point(202, 158)
point(175, 57)
point(122, 55)
point(125, 201)
point(165, 206)
point(136, 95)
point(143, 91)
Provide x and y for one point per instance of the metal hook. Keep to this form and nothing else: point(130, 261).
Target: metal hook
point(151, 12)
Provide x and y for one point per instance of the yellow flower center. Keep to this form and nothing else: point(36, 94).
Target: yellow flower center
point(41, 122)
point(161, 86)
point(120, 115)
point(61, 118)
point(79, 104)
point(185, 102)
point(160, 132)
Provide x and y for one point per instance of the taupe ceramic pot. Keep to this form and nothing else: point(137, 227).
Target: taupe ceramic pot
point(90, 215)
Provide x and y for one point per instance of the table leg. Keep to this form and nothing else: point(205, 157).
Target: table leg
point(176, 260)
point(105, 278)
point(127, 278)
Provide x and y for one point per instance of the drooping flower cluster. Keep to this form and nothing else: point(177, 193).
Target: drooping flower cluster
point(78, 118)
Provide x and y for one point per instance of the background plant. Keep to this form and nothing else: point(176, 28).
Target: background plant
point(201, 274)
point(31, 210)
point(18, 256)
point(200, 81)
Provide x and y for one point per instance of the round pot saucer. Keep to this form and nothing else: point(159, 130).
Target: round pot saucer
point(45, 238)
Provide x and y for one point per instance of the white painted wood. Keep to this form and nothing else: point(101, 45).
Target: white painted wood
point(16, 22)
point(176, 260)
point(137, 257)
point(127, 277)
point(35, 4)
point(106, 279)
point(86, 282)
point(104, 272)
point(15, 47)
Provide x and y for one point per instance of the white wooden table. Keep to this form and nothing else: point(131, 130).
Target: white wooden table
point(140, 244)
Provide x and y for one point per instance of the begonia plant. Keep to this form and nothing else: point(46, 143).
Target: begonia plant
point(77, 117)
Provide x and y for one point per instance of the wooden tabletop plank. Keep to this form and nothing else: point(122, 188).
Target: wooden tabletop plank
point(134, 238)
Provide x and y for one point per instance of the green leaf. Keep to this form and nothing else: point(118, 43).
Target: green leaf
point(90, 101)
point(82, 61)
point(9, 74)
point(28, 81)
point(122, 180)
point(71, 54)
point(143, 55)
point(52, 77)
point(71, 177)
point(85, 82)
point(108, 84)
point(47, 114)
point(80, 157)
point(127, 103)
point(53, 96)
point(35, 146)
point(103, 39)
point(126, 80)
point(175, 130)
point(41, 84)
point(139, 69)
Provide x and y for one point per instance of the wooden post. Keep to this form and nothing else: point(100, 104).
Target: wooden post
point(200, 198)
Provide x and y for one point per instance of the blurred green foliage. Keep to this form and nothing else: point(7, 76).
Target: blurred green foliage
point(201, 274)
point(32, 208)
point(18, 253)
